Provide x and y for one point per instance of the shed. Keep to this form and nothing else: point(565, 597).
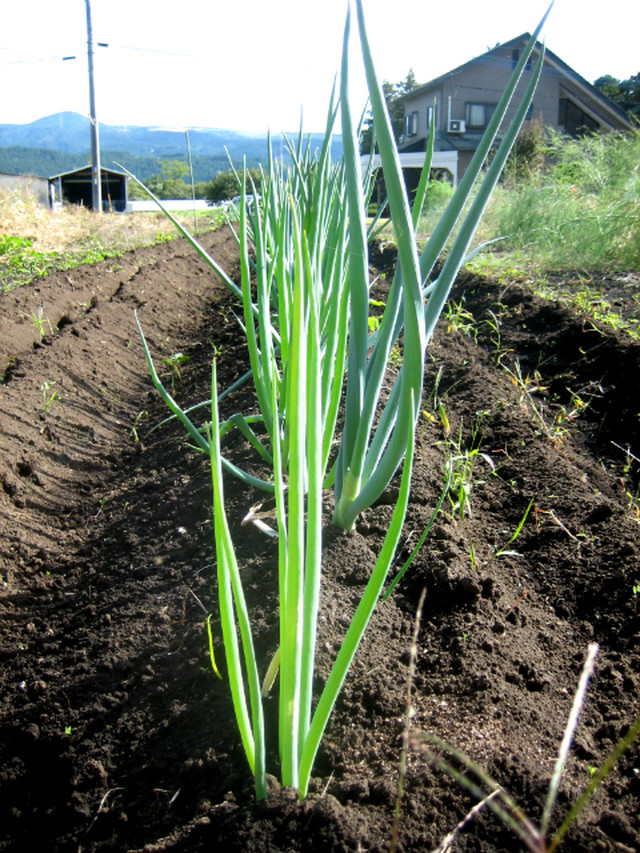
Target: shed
point(75, 188)
point(32, 184)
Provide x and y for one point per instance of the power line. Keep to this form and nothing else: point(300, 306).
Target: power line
point(110, 45)
point(36, 59)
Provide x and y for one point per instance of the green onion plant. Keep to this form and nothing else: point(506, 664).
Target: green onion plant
point(305, 293)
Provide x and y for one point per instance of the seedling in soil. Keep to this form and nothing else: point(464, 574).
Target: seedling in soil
point(494, 324)
point(633, 498)
point(133, 432)
point(577, 406)
point(41, 322)
point(444, 419)
point(502, 552)
point(461, 463)
point(633, 503)
point(438, 408)
point(49, 397)
point(174, 362)
point(460, 320)
point(527, 387)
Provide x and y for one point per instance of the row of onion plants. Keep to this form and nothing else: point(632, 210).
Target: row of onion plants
point(305, 292)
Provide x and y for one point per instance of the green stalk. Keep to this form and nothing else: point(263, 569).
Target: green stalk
point(313, 553)
point(460, 248)
point(371, 460)
point(347, 482)
point(361, 402)
point(358, 625)
point(232, 604)
point(257, 342)
point(291, 606)
point(447, 222)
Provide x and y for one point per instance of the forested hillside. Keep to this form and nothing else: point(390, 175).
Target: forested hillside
point(45, 162)
point(61, 142)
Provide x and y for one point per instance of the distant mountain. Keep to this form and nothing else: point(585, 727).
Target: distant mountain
point(68, 134)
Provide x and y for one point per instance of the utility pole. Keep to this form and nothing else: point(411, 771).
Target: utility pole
point(96, 177)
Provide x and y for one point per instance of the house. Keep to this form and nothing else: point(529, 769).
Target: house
point(75, 188)
point(462, 101)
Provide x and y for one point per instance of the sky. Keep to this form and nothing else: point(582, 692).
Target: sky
point(253, 65)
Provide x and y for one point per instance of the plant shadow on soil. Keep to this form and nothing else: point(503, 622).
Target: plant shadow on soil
point(116, 735)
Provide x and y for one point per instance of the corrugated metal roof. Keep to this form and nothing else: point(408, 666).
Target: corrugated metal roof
point(87, 168)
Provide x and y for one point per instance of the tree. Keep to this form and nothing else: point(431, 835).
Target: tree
point(624, 93)
point(393, 92)
point(225, 185)
point(168, 183)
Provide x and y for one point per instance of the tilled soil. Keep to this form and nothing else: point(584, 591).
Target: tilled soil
point(115, 735)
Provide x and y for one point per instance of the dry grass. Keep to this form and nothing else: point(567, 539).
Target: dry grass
point(46, 240)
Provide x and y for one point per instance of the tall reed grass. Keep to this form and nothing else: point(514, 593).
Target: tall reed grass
point(580, 212)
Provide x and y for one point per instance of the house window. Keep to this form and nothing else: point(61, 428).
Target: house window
point(515, 56)
point(574, 120)
point(411, 124)
point(479, 115)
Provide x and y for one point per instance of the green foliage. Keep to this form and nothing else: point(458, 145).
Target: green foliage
point(393, 93)
point(49, 397)
point(624, 93)
point(529, 153)
point(20, 160)
point(582, 212)
point(227, 184)
point(166, 184)
point(20, 263)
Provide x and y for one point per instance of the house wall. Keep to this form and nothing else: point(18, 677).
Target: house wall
point(482, 81)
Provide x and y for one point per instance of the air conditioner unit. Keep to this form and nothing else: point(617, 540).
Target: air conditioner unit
point(457, 126)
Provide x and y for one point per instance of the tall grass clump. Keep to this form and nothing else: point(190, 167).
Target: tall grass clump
point(582, 211)
point(439, 194)
point(305, 294)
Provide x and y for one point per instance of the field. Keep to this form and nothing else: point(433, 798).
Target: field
point(116, 734)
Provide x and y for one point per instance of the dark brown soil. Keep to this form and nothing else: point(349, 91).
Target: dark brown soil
point(115, 733)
